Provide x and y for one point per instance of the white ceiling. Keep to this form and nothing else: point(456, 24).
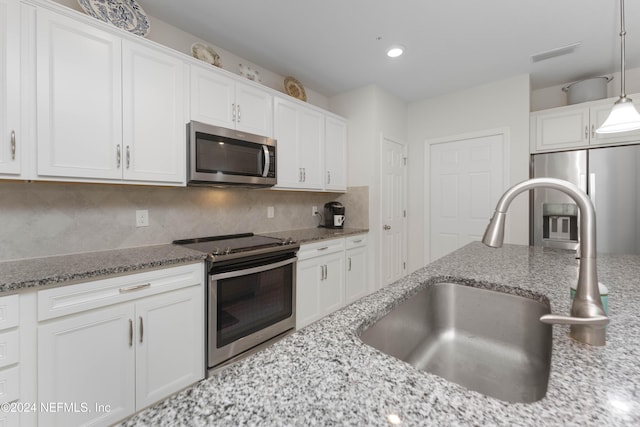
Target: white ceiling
point(332, 46)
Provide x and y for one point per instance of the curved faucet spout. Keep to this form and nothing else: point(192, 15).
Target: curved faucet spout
point(586, 303)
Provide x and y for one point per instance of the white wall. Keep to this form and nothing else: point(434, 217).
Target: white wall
point(502, 104)
point(552, 97)
point(372, 112)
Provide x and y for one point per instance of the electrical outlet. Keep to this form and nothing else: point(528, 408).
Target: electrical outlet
point(142, 218)
point(314, 210)
point(270, 212)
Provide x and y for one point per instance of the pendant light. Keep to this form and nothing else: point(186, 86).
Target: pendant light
point(624, 116)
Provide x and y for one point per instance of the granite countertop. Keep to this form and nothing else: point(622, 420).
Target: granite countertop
point(29, 273)
point(324, 375)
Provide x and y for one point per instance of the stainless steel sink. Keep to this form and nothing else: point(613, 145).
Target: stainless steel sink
point(487, 341)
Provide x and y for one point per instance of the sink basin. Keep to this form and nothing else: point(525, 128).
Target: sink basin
point(487, 341)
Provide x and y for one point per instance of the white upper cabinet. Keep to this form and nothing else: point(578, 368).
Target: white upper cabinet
point(154, 118)
point(573, 127)
point(299, 131)
point(11, 140)
point(79, 99)
point(224, 101)
point(335, 154)
point(108, 109)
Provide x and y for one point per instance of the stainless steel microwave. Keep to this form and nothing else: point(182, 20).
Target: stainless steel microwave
point(226, 157)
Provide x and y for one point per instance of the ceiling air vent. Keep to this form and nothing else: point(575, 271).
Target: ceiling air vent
point(559, 51)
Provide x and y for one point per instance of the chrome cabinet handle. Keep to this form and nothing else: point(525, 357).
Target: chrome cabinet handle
point(128, 157)
point(141, 329)
point(593, 131)
point(357, 241)
point(299, 174)
point(134, 288)
point(130, 333)
point(304, 174)
point(233, 112)
point(349, 263)
point(238, 112)
point(118, 156)
point(328, 177)
point(13, 145)
point(586, 132)
point(387, 227)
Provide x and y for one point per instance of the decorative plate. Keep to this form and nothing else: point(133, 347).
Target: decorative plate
point(124, 14)
point(248, 72)
point(206, 54)
point(294, 88)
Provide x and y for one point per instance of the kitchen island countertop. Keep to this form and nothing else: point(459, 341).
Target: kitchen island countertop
point(324, 375)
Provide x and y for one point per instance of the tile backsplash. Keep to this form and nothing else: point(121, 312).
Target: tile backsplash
point(43, 219)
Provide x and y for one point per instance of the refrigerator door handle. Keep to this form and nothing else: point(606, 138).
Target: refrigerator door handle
point(592, 188)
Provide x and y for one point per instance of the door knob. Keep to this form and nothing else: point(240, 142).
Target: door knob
point(387, 227)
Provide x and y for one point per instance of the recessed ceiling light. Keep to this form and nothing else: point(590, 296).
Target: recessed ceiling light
point(395, 51)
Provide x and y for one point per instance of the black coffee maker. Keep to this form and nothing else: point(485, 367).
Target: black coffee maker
point(333, 215)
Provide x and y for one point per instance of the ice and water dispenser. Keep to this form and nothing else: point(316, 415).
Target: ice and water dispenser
point(560, 222)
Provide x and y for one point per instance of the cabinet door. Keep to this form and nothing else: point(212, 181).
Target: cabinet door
point(286, 133)
point(332, 286)
point(212, 97)
point(170, 344)
point(335, 154)
point(311, 147)
point(154, 122)
point(79, 99)
point(10, 136)
point(309, 274)
point(87, 360)
point(560, 129)
point(356, 274)
point(599, 114)
point(254, 110)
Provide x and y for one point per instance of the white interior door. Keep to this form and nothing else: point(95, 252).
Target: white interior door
point(467, 177)
point(393, 242)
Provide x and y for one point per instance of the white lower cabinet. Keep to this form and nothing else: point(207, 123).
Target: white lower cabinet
point(9, 358)
point(99, 365)
point(357, 269)
point(329, 277)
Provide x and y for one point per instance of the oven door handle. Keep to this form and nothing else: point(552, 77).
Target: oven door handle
point(267, 160)
point(247, 271)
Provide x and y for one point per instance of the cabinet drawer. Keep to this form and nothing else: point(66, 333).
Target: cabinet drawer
point(320, 248)
point(99, 293)
point(357, 241)
point(9, 310)
point(9, 348)
point(9, 384)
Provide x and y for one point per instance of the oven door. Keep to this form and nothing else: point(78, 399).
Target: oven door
point(249, 303)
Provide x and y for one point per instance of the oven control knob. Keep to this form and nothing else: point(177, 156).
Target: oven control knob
point(227, 251)
point(216, 251)
point(288, 241)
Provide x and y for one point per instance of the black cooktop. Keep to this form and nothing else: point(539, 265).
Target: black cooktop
point(232, 243)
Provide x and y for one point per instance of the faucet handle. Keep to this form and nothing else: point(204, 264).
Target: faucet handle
point(554, 319)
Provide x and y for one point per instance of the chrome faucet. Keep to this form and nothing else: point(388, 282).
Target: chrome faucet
point(588, 319)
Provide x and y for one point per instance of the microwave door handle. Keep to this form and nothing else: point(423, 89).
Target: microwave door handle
point(267, 160)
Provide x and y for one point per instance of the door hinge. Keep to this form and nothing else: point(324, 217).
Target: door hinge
point(404, 213)
point(404, 160)
point(404, 265)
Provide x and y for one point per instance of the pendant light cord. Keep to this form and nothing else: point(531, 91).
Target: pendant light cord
point(623, 33)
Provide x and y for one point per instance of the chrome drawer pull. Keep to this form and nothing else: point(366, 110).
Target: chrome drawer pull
point(134, 288)
point(141, 329)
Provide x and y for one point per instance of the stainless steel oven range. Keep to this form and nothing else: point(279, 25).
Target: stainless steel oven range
point(251, 293)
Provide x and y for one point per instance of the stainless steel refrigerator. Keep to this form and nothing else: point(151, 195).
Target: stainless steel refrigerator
point(611, 177)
